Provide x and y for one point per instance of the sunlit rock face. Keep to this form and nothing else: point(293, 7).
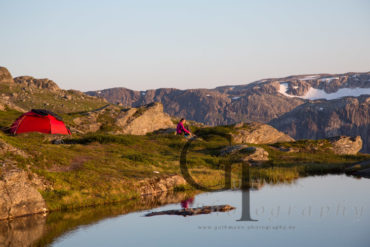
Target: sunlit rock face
point(19, 195)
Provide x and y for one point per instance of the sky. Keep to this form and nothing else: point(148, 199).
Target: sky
point(146, 44)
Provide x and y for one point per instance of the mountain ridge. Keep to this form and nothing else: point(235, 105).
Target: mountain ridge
point(264, 101)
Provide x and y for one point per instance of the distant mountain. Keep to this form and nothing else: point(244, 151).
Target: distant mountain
point(269, 100)
point(262, 100)
point(326, 118)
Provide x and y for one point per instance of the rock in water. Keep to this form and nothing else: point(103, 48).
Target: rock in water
point(193, 211)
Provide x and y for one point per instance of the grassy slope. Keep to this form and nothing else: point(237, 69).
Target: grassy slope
point(27, 99)
point(101, 168)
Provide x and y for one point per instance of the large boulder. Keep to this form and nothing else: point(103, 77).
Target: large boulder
point(5, 76)
point(19, 196)
point(346, 144)
point(258, 133)
point(139, 121)
point(133, 121)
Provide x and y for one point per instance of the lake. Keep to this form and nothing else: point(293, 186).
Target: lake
point(328, 210)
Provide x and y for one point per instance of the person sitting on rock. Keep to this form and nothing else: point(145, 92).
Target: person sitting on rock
point(181, 130)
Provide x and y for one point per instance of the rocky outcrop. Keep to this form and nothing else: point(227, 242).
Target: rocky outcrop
point(321, 119)
point(5, 76)
point(160, 184)
point(346, 144)
point(26, 92)
point(259, 133)
point(133, 121)
point(139, 121)
point(30, 82)
point(19, 197)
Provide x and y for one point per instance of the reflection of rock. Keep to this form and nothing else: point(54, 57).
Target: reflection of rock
point(158, 185)
point(346, 144)
point(18, 195)
point(365, 173)
point(259, 133)
point(255, 155)
point(60, 223)
point(247, 154)
point(23, 231)
point(360, 169)
point(194, 211)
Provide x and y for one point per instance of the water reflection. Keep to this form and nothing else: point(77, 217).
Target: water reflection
point(24, 231)
point(40, 230)
point(325, 206)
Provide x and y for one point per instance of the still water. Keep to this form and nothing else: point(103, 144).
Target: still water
point(314, 211)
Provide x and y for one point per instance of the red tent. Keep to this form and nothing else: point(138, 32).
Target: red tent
point(39, 121)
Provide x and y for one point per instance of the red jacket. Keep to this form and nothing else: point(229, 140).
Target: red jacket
point(180, 129)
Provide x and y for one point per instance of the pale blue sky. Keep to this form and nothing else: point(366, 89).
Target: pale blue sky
point(90, 45)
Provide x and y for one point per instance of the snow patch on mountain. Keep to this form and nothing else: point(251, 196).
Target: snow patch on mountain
point(329, 79)
point(309, 77)
point(314, 93)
